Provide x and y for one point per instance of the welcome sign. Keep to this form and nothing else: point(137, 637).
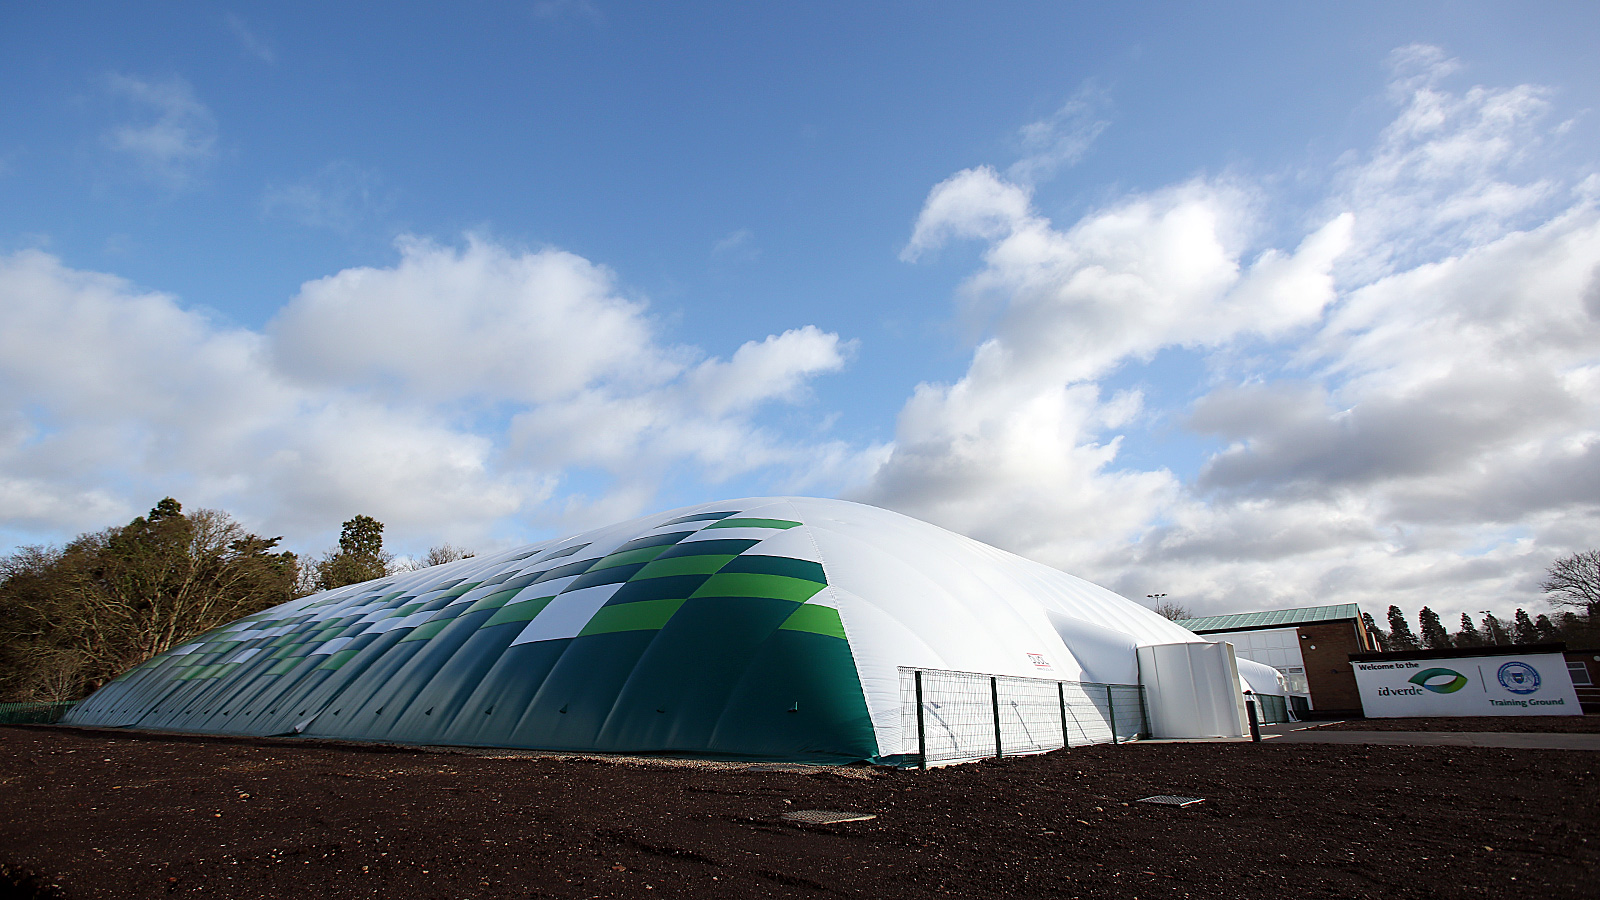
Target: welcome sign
point(1535, 684)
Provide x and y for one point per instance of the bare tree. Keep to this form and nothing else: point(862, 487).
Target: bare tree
point(1168, 609)
point(436, 556)
point(1575, 581)
point(444, 553)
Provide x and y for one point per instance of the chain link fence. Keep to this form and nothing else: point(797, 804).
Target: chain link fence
point(960, 716)
point(34, 713)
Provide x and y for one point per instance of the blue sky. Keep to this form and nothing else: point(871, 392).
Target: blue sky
point(1251, 304)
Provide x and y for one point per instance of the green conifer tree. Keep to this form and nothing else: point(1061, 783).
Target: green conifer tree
point(1434, 637)
point(1546, 629)
point(1400, 636)
point(1379, 639)
point(360, 556)
point(1522, 628)
point(1469, 635)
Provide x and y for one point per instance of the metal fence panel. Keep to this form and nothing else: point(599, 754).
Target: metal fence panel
point(1088, 713)
point(1030, 715)
point(967, 716)
point(957, 716)
point(34, 713)
point(909, 701)
point(1272, 709)
point(1127, 711)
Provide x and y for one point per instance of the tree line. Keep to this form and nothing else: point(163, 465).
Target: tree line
point(76, 616)
point(1572, 584)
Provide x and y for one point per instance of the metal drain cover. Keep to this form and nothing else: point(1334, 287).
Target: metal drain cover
point(826, 817)
point(1169, 800)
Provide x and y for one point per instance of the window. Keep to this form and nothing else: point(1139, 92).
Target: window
point(1579, 673)
point(1295, 676)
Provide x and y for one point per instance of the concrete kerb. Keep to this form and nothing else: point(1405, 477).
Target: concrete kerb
point(1503, 739)
point(1314, 733)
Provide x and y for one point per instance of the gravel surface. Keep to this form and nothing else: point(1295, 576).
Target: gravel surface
point(96, 814)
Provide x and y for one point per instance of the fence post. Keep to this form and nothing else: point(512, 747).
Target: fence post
point(1061, 695)
point(1111, 711)
point(994, 697)
point(922, 735)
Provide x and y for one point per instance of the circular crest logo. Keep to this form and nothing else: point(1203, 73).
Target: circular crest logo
point(1519, 678)
point(1440, 681)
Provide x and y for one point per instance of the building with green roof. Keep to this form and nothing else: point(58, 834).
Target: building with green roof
point(1310, 647)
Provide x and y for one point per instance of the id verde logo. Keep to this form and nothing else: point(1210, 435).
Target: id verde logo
point(1430, 679)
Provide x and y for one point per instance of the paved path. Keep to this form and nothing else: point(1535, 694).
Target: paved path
point(1300, 734)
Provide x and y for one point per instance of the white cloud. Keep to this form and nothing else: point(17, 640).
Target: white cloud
point(737, 244)
point(976, 203)
point(1060, 139)
point(479, 322)
point(341, 197)
point(1019, 451)
point(1408, 401)
point(1447, 390)
point(173, 136)
point(778, 367)
point(1018, 466)
point(698, 413)
point(454, 395)
point(251, 42)
point(1442, 176)
point(1154, 270)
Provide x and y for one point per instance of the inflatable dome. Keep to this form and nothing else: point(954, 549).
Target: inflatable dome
point(770, 628)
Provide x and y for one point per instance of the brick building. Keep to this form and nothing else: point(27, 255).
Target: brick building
point(1584, 667)
point(1311, 647)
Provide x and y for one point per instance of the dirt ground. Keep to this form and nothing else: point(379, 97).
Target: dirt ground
point(100, 814)
point(1517, 724)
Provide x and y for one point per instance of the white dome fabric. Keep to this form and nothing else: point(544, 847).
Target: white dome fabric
point(759, 628)
point(911, 594)
point(1260, 678)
